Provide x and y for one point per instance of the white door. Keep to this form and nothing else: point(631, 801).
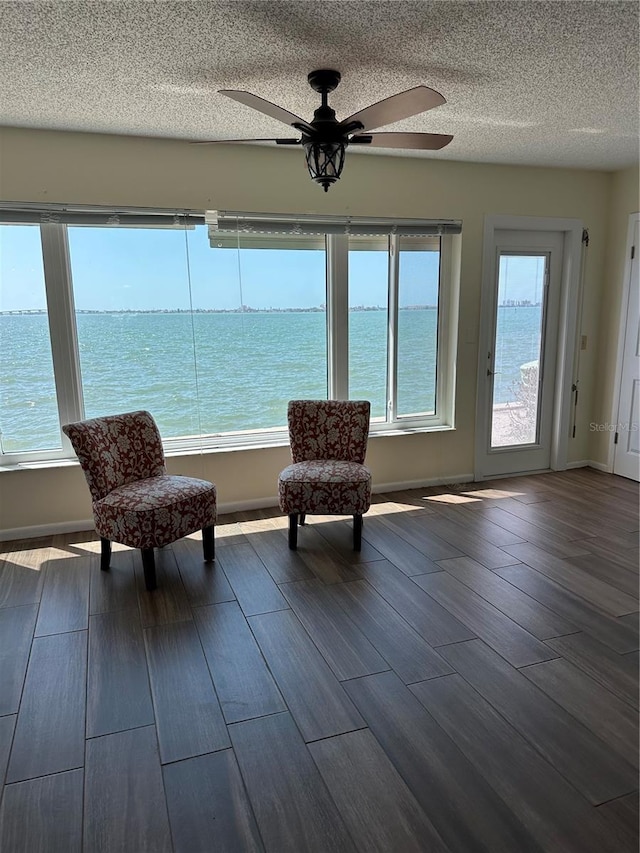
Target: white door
point(518, 350)
point(626, 460)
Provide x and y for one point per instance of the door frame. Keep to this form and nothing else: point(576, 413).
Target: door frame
point(570, 298)
point(622, 330)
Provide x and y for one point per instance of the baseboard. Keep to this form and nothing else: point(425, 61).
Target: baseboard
point(40, 530)
point(590, 463)
point(422, 484)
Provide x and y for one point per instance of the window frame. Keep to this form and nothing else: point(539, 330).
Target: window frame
point(66, 361)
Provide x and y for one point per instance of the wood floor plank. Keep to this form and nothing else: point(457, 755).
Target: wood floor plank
point(323, 560)
point(242, 680)
point(396, 546)
point(208, 805)
point(551, 809)
point(622, 819)
point(611, 719)
point(412, 527)
point(292, 806)
point(501, 633)
point(281, 562)
point(545, 539)
point(479, 524)
point(22, 574)
point(632, 622)
point(612, 632)
point(339, 534)
point(16, 631)
point(64, 604)
point(168, 603)
point(432, 621)
point(608, 572)
point(188, 715)
point(602, 595)
point(408, 654)
point(466, 812)
point(344, 647)
point(118, 695)
point(116, 588)
point(602, 547)
point(593, 508)
point(313, 694)
point(7, 725)
point(205, 583)
point(50, 729)
point(471, 544)
point(252, 584)
point(375, 803)
point(566, 744)
point(125, 807)
point(535, 513)
point(618, 673)
point(517, 605)
point(43, 815)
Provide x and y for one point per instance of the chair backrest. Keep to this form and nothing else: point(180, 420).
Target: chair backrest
point(116, 450)
point(329, 429)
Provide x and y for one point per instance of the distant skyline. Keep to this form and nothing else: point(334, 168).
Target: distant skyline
point(117, 269)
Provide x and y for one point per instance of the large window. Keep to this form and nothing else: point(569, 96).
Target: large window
point(28, 411)
point(213, 331)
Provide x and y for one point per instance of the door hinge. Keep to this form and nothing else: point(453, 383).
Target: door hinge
point(633, 252)
point(615, 438)
point(573, 434)
point(585, 237)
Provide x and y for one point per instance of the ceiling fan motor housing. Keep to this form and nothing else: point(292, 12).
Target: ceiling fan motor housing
point(324, 80)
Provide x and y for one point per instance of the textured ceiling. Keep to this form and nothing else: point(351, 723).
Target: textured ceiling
point(543, 83)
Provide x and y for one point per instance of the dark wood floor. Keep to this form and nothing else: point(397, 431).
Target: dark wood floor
point(468, 683)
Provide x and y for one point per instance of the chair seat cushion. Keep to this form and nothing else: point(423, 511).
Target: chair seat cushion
point(325, 486)
point(156, 511)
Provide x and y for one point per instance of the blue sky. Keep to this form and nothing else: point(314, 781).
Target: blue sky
point(138, 269)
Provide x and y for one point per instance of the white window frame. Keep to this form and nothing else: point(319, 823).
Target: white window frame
point(67, 371)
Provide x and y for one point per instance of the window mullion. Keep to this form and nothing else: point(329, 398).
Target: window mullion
point(62, 324)
point(338, 316)
point(392, 332)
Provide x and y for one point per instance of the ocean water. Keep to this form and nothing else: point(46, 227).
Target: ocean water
point(214, 373)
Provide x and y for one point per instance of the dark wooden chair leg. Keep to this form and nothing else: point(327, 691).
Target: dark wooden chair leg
point(293, 530)
point(303, 518)
point(208, 543)
point(149, 566)
point(357, 532)
point(105, 554)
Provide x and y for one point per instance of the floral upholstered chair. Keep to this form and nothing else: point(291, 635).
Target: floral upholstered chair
point(328, 477)
point(135, 501)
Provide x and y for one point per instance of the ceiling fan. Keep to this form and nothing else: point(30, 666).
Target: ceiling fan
point(325, 139)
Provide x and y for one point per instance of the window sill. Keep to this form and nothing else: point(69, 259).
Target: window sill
point(267, 443)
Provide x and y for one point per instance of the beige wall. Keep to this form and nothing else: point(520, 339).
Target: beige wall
point(43, 166)
point(624, 200)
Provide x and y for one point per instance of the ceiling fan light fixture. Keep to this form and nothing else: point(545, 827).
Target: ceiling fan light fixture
point(324, 161)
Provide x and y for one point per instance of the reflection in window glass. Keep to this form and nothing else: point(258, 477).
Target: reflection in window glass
point(518, 344)
point(261, 335)
point(368, 315)
point(28, 407)
point(135, 338)
point(418, 286)
point(255, 339)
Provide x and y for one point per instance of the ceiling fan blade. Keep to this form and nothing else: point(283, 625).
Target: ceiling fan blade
point(397, 107)
point(420, 141)
point(270, 139)
point(266, 107)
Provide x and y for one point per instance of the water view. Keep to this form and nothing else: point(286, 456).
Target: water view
point(218, 372)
